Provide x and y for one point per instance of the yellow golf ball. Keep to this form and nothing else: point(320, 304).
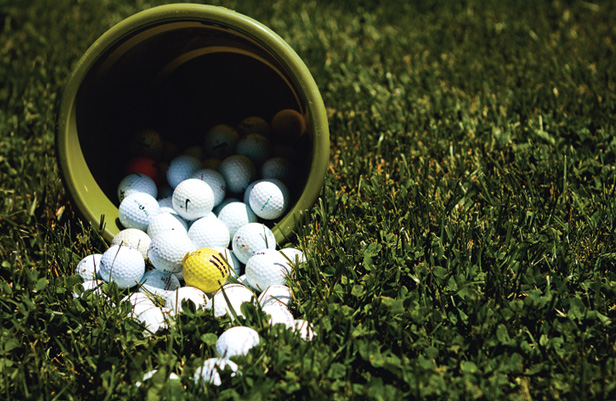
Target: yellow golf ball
point(205, 269)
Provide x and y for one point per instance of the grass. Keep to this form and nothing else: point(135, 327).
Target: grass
point(462, 246)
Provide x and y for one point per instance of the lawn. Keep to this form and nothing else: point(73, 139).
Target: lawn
point(462, 246)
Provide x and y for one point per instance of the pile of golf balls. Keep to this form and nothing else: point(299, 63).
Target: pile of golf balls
point(198, 231)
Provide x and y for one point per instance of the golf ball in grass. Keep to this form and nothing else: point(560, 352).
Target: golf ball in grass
point(122, 265)
point(269, 198)
point(168, 249)
point(209, 372)
point(216, 182)
point(137, 209)
point(209, 232)
point(192, 199)
point(279, 313)
point(139, 302)
point(238, 171)
point(305, 329)
point(294, 256)
point(159, 283)
point(237, 340)
point(153, 319)
point(163, 222)
point(135, 238)
point(181, 168)
point(191, 294)
point(220, 141)
point(136, 182)
point(90, 286)
point(276, 293)
point(205, 269)
point(250, 238)
point(267, 267)
point(88, 267)
point(254, 146)
point(235, 215)
point(229, 299)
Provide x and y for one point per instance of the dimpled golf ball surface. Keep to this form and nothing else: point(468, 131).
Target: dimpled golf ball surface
point(140, 302)
point(168, 249)
point(237, 340)
point(279, 313)
point(209, 371)
point(192, 294)
point(88, 267)
point(181, 168)
point(122, 265)
point(205, 269)
point(265, 268)
point(159, 283)
point(192, 199)
point(216, 182)
point(236, 295)
point(209, 232)
point(238, 171)
point(254, 146)
point(269, 198)
point(276, 293)
point(153, 319)
point(135, 238)
point(220, 141)
point(163, 222)
point(136, 182)
point(137, 210)
point(235, 215)
point(251, 238)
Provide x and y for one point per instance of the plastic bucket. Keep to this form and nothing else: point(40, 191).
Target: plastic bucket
point(179, 69)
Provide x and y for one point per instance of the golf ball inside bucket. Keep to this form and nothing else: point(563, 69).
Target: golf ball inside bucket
point(122, 265)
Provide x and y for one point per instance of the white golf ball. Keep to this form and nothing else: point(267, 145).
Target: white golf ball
point(237, 294)
point(192, 294)
point(294, 256)
point(238, 171)
point(209, 371)
point(209, 232)
point(181, 168)
point(159, 283)
point(265, 268)
point(168, 249)
point(193, 198)
point(269, 198)
point(216, 182)
point(224, 203)
point(135, 238)
point(93, 286)
point(256, 147)
point(137, 209)
point(251, 238)
point(305, 329)
point(153, 319)
point(163, 222)
point(237, 340)
point(235, 215)
point(122, 265)
point(279, 313)
point(220, 141)
point(165, 205)
point(88, 268)
point(244, 281)
point(136, 183)
point(276, 293)
point(139, 302)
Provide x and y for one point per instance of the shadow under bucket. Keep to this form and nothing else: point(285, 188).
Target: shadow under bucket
point(179, 70)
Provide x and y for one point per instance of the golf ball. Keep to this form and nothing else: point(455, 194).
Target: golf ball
point(88, 267)
point(265, 268)
point(216, 182)
point(181, 168)
point(251, 238)
point(136, 182)
point(137, 209)
point(220, 141)
point(237, 340)
point(269, 198)
point(192, 199)
point(168, 249)
point(135, 238)
point(235, 215)
point(122, 265)
point(209, 372)
point(205, 269)
point(164, 221)
point(256, 147)
point(238, 171)
point(159, 283)
point(209, 232)
point(229, 299)
point(192, 294)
